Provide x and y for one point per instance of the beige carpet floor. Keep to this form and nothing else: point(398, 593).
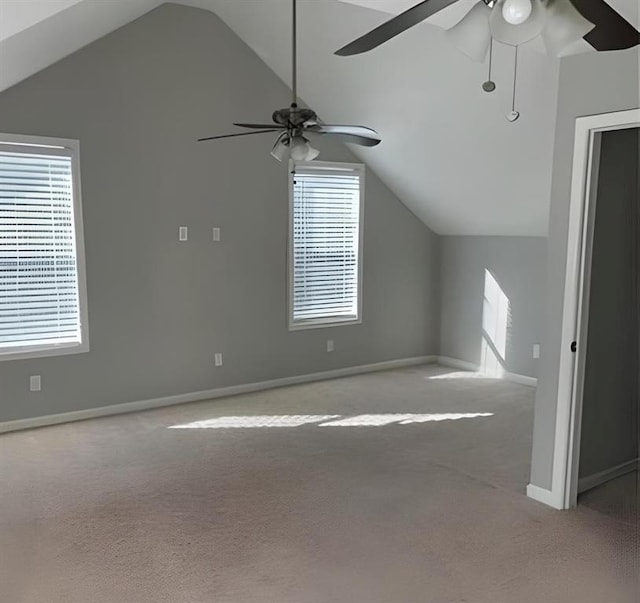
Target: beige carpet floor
point(618, 498)
point(127, 510)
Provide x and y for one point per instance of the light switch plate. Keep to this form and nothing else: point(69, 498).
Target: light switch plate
point(218, 359)
point(216, 234)
point(536, 350)
point(183, 233)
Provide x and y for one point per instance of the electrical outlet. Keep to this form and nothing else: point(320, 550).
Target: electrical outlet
point(216, 234)
point(536, 350)
point(35, 383)
point(330, 346)
point(183, 233)
point(218, 359)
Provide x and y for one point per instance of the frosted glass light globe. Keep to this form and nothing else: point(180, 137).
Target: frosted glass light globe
point(516, 12)
point(301, 150)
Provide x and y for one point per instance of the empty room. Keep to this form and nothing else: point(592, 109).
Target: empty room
point(319, 301)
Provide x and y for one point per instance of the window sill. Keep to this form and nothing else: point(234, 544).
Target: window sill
point(44, 351)
point(321, 323)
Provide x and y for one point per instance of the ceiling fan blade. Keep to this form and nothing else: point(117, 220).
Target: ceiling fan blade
point(235, 135)
point(361, 135)
point(612, 31)
point(394, 26)
point(258, 126)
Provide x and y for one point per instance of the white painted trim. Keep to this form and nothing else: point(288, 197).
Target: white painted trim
point(65, 147)
point(582, 323)
point(565, 461)
point(543, 496)
point(233, 390)
point(597, 479)
point(475, 368)
point(336, 167)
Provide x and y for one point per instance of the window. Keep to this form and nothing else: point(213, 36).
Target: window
point(325, 263)
point(42, 285)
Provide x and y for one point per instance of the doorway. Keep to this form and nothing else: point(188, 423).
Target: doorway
point(597, 421)
point(608, 455)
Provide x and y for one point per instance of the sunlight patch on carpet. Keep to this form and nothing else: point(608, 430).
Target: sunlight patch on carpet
point(401, 419)
point(257, 421)
point(378, 420)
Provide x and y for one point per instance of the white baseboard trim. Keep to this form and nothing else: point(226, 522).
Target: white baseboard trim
point(233, 390)
point(469, 366)
point(597, 479)
point(546, 497)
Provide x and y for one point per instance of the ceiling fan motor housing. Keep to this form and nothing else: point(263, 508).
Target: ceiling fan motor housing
point(293, 116)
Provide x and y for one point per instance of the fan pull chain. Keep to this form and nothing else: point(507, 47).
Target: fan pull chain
point(514, 115)
point(489, 85)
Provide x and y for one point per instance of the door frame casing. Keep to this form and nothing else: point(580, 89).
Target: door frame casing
point(586, 161)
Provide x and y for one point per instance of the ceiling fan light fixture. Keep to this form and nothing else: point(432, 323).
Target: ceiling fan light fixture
point(472, 34)
point(516, 12)
point(300, 149)
point(515, 34)
point(313, 153)
point(280, 148)
point(564, 27)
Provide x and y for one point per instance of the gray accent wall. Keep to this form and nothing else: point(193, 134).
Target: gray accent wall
point(609, 435)
point(589, 84)
point(137, 100)
point(518, 264)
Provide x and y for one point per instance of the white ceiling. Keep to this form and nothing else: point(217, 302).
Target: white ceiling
point(444, 18)
point(448, 151)
point(18, 15)
point(36, 33)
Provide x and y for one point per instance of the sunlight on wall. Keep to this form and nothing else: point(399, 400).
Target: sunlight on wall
point(326, 420)
point(496, 327)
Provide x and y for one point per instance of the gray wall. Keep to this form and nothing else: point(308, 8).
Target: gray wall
point(610, 399)
point(158, 309)
point(519, 266)
point(590, 83)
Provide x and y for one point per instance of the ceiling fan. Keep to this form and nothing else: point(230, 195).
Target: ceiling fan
point(560, 23)
point(294, 124)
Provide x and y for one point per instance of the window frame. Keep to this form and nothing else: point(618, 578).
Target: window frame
point(64, 147)
point(333, 321)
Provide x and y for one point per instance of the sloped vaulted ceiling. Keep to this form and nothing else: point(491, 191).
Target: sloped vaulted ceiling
point(448, 152)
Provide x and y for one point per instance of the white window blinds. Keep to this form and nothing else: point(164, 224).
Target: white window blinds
point(39, 293)
point(326, 231)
